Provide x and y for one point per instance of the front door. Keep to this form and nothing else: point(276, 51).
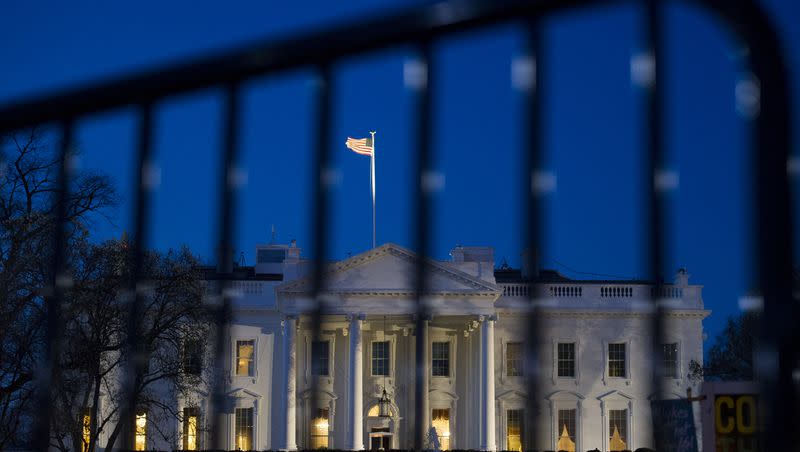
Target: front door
point(380, 439)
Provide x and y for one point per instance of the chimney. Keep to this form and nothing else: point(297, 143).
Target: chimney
point(475, 260)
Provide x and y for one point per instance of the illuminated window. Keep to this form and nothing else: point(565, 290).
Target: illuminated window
point(192, 357)
point(380, 358)
point(244, 428)
point(616, 360)
point(244, 358)
point(191, 418)
point(566, 429)
point(140, 440)
point(440, 362)
point(320, 356)
point(566, 359)
point(670, 356)
point(514, 430)
point(87, 429)
point(618, 428)
point(514, 352)
point(440, 420)
point(320, 429)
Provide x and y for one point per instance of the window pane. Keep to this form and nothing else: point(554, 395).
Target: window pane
point(440, 363)
point(320, 429)
point(244, 358)
point(244, 428)
point(567, 427)
point(514, 359)
point(514, 425)
point(191, 417)
point(616, 360)
point(319, 358)
point(618, 428)
point(380, 358)
point(670, 352)
point(440, 420)
point(566, 360)
point(192, 357)
point(140, 440)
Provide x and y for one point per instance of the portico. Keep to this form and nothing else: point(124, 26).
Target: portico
point(367, 344)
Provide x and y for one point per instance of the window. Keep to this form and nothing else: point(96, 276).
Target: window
point(618, 429)
point(514, 355)
point(140, 435)
point(87, 429)
point(244, 428)
point(319, 357)
point(192, 357)
point(440, 420)
point(567, 427)
point(380, 358)
point(616, 360)
point(514, 423)
point(270, 256)
point(191, 417)
point(566, 359)
point(244, 358)
point(670, 362)
point(440, 363)
point(320, 429)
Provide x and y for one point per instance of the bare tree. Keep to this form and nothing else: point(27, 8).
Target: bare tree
point(28, 168)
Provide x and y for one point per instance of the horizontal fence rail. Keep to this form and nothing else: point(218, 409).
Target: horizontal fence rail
point(419, 29)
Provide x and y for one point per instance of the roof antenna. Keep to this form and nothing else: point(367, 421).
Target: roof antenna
point(272, 240)
point(241, 259)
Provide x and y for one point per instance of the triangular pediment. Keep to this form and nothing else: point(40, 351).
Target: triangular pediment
point(390, 269)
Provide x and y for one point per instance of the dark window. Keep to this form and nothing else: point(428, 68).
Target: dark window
point(566, 359)
point(514, 352)
point(319, 358)
point(380, 358)
point(440, 362)
point(192, 357)
point(670, 352)
point(271, 256)
point(616, 360)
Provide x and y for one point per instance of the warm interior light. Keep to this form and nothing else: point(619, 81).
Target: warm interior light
point(141, 432)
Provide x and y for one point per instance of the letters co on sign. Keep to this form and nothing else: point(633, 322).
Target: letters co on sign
point(731, 419)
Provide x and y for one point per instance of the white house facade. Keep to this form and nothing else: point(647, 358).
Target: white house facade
point(595, 375)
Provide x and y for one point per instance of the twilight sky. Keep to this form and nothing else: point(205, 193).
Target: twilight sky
point(592, 132)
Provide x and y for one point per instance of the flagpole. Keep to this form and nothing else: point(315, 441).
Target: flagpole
point(372, 180)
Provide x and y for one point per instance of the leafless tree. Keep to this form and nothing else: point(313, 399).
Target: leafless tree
point(28, 168)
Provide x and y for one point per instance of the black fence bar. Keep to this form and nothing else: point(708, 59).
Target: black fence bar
point(655, 180)
point(322, 179)
point(420, 77)
point(228, 180)
point(48, 373)
point(137, 247)
point(529, 80)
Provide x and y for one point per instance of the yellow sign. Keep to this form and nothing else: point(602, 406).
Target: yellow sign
point(736, 422)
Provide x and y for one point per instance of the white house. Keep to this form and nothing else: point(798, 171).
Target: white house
point(596, 380)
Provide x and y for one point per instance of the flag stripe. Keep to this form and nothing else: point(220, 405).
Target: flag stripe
point(361, 146)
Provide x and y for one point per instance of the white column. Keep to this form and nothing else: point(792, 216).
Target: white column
point(290, 343)
point(355, 388)
point(488, 431)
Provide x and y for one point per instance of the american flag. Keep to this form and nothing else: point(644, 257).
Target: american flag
point(361, 146)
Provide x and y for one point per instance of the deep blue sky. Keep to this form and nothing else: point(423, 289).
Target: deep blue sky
point(592, 132)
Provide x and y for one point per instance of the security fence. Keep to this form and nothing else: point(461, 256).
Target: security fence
point(420, 28)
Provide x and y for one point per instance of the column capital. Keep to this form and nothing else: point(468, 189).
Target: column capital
point(355, 316)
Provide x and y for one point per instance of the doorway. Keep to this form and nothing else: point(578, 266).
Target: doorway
point(380, 438)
